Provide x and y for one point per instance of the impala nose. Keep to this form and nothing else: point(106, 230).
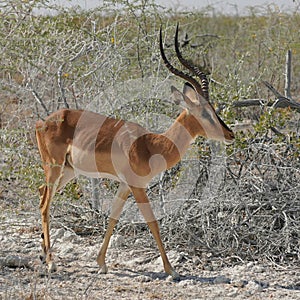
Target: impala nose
point(229, 139)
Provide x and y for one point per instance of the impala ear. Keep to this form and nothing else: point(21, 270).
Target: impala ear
point(195, 97)
point(190, 92)
point(176, 95)
point(181, 98)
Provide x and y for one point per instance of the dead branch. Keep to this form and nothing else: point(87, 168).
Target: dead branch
point(288, 76)
point(280, 101)
point(39, 100)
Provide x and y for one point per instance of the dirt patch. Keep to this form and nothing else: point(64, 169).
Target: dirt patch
point(135, 270)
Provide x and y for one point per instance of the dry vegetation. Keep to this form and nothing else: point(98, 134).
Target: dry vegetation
point(222, 208)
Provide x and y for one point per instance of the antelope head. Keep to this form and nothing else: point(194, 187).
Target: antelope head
point(195, 99)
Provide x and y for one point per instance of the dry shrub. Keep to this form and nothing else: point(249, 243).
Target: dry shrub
point(254, 214)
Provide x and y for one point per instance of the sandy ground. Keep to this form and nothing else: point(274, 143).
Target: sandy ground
point(135, 269)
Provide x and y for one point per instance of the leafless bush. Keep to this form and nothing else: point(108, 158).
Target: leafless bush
point(254, 215)
point(250, 210)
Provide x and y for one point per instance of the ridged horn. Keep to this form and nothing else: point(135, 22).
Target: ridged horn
point(177, 72)
point(195, 70)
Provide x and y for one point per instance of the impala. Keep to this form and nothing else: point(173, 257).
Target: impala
point(73, 142)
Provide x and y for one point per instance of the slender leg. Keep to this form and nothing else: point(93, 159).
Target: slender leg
point(47, 191)
point(146, 210)
point(43, 194)
point(57, 177)
point(118, 204)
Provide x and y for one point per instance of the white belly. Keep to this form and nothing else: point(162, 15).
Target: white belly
point(95, 174)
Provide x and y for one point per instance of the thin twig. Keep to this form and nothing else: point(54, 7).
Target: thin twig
point(288, 75)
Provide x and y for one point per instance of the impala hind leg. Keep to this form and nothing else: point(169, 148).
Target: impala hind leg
point(118, 204)
point(56, 177)
point(47, 191)
point(146, 210)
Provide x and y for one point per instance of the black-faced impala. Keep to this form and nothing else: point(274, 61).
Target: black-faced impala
point(73, 142)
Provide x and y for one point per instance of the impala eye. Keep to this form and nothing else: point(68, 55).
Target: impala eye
point(206, 115)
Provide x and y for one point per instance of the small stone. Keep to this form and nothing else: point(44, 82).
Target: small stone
point(252, 287)
point(58, 234)
point(240, 283)
point(169, 279)
point(197, 261)
point(256, 286)
point(14, 261)
point(66, 248)
point(139, 242)
point(144, 278)
point(221, 279)
point(233, 293)
point(173, 255)
point(208, 268)
point(185, 283)
point(69, 236)
point(116, 241)
point(262, 285)
point(259, 269)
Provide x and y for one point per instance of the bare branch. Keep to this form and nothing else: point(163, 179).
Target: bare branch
point(288, 71)
point(83, 51)
point(249, 102)
point(272, 89)
point(280, 102)
point(39, 100)
point(276, 131)
point(61, 85)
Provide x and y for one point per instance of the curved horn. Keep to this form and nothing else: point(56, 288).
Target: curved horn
point(175, 71)
point(194, 69)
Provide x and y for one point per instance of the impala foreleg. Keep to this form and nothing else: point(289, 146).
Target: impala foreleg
point(154, 228)
point(118, 204)
point(146, 210)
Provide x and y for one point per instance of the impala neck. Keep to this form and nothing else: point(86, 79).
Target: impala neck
point(181, 133)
